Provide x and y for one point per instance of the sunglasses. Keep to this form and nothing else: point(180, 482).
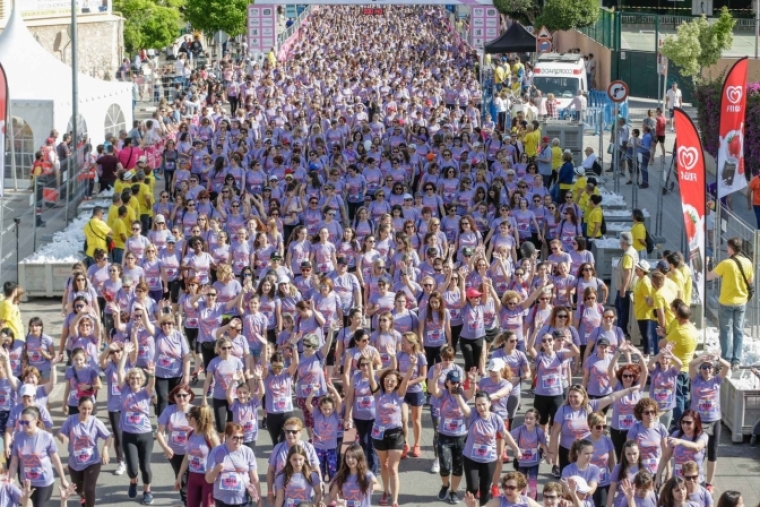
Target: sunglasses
point(225, 348)
point(628, 376)
point(688, 423)
point(563, 316)
point(691, 478)
point(649, 412)
point(182, 395)
point(509, 487)
point(292, 432)
point(601, 426)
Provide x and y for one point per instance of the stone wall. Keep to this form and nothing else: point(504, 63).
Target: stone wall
point(100, 45)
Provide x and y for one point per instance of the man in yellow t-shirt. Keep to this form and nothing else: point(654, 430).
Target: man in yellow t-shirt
point(584, 191)
point(684, 338)
point(121, 227)
point(97, 234)
point(594, 217)
point(530, 143)
point(661, 298)
point(733, 299)
point(639, 232)
point(10, 314)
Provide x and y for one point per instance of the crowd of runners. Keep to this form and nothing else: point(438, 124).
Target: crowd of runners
point(349, 250)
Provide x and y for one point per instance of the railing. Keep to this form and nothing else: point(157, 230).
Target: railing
point(285, 35)
point(604, 30)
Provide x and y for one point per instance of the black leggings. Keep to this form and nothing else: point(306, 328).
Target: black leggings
point(275, 425)
point(600, 495)
point(86, 481)
point(433, 355)
point(564, 458)
point(478, 477)
point(471, 351)
point(222, 414)
point(618, 438)
point(114, 418)
point(42, 495)
point(176, 462)
point(208, 351)
point(163, 387)
point(455, 332)
point(712, 443)
point(138, 448)
point(450, 455)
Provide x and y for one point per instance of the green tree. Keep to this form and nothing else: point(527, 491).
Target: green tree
point(524, 11)
point(149, 23)
point(566, 14)
point(699, 44)
point(211, 16)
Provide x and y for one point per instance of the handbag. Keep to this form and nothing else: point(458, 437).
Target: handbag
point(750, 289)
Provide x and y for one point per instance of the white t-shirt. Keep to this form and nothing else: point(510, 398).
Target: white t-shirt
point(674, 98)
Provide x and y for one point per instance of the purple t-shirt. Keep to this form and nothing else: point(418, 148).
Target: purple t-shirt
point(177, 428)
point(590, 474)
point(279, 389)
point(83, 440)
point(364, 400)
point(33, 346)
point(311, 376)
point(170, 349)
point(230, 484)
point(197, 451)
point(135, 410)
point(33, 453)
point(598, 377)
point(452, 421)
point(247, 415)
point(113, 397)
point(601, 458)
point(574, 422)
point(650, 443)
point(223, 371)
point(528, 441)
point(76, 378)
point(662, 387)
point(403, 366)
point(705, 397)
point(549, 373)
point(481, 439)
point(352, 492)
point(681, 454)
point(326, 430)
point(622, 409)
point(298, 489)
point(434, 328)
point(620, 500)
point(488, 385)
point(388, 413)
point(280, 454)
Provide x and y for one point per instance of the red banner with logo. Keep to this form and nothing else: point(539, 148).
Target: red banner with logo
point(690, 162)
point(733, 102)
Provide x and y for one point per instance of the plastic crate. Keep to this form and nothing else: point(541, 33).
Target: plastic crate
point(740, 407)
point(43, 280)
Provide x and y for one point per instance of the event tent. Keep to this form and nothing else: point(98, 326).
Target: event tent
point(515, 40)
point(40, 88)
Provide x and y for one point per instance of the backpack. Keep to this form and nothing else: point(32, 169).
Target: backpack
point(650, 242)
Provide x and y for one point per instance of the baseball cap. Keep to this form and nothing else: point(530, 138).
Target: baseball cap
point(342, 261)
point(473, 293)
point(453, 376)
point(159, 219)
point(603, 341)
point(495, 364)
point(27, 390)
point(306, 264)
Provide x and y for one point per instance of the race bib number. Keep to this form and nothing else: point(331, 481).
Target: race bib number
point(662, 396)
point(83, 455)
point(282, 404)
point(166, 362)
point(35, 356)
point(378, 432)
point(248, 426)
point(453, 425)
point(33, 473)
point(483, 452)
point(550, 381)
point(179, 437)
point(626, 421)
point(230, 481)
point(196, 464)
point(115, 389)
point(366, 402)
point(135, 418)
point(529, 455)
point(650, 464)
point(5, 401)
point(678, 470)
point(706, 406)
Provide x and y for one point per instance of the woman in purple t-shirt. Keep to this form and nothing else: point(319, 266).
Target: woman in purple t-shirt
point(297, 482)
point(35, 452)
point(354, 482)
point(174, 430)
point(664, 369)
point(200, 441)
point(82, 432)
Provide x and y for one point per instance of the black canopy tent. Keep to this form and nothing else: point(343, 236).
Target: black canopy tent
point(515, 40)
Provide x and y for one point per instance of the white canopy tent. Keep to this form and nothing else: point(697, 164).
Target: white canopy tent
point(40, 95)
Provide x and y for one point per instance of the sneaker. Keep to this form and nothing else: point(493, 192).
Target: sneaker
point(384, 499)
point(443, 493)
point(132, 492)
point(436, 468)
point(453, 498)
point(629, 182)
point(735, 364)
point(710, 488)
point(555, 472)
point(495, 493)
point(416, 452)
point(405, 451)
point(263, 424)
point(644, 185)
point(120, 469)
point(147, 498)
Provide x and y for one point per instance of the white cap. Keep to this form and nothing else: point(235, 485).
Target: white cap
point(496, 364)
point(583, 486)
point(27, 390)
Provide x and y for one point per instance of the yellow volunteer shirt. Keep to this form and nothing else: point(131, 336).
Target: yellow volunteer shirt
point(113, 215)
point(595, 216)
point(685, 338)
point(663, 297)
point(687, 283)
point(531, 143)
point(733, 290)
point(95, 232)
point(498, 75)
point(556, 158)
point(641, 290)
point(639, 233)
point(146, 199)
point(135, 205)
point(583, 198)
point(119, 227)
point(677, 278)
point(10, 314)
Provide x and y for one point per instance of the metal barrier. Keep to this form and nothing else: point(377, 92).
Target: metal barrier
point(604, 30)
point(729, 225)
point(281, 38)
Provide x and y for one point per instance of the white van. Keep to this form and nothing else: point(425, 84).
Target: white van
point(560, 74)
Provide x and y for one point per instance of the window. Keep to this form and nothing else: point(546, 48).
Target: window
point(114, 120)
point(561, 87)
point(23, 141)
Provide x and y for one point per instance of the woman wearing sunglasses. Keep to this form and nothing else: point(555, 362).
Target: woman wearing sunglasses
point(705, 399)
point(687, 443)
point(649, 433)
point(174, 430)
point(222, 369)
point(621, 379)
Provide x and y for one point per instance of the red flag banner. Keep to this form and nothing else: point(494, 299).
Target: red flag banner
point(690, 162)
point(733, 102)
point(3, 124)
